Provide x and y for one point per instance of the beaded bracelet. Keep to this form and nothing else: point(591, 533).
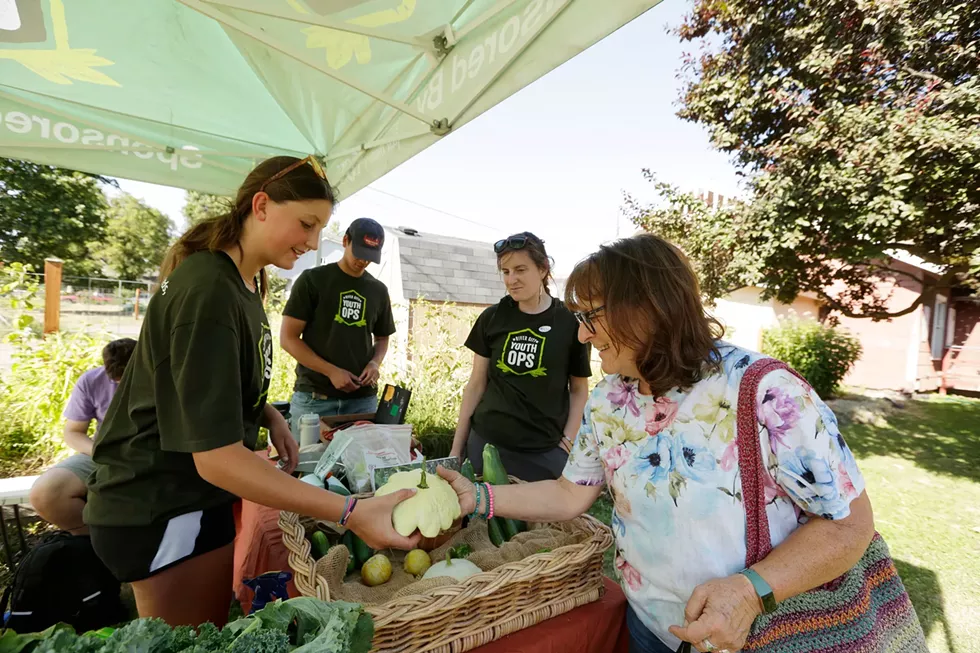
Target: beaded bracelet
point(489, 489)
point(476, 501)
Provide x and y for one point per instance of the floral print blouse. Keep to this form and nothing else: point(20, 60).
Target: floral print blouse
point(672, 468)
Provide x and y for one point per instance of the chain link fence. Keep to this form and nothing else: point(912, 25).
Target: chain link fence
point(88, 304)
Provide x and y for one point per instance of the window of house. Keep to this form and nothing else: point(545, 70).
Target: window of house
point(951, 327)
point(938, 339)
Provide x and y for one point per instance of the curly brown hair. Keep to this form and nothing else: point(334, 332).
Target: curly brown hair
point(116, 355)
point(651, 303)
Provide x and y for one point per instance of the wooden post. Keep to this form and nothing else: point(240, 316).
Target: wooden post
point(136, 305)
point(52, 294)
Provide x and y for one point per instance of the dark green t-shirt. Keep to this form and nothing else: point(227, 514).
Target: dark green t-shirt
point(343, 315)
point(525, 405)
point(197, 381)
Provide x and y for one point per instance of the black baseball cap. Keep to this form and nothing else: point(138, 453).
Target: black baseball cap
point(367, 237)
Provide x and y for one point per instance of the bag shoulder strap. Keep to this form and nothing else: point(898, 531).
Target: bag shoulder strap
point(750, 464)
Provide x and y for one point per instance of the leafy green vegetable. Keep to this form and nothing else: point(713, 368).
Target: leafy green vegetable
point(209, 638)
point(261, 641)
point(147, 635)
point(183, 637)
point(11, 642)
point(300, 625)
point(66, 641)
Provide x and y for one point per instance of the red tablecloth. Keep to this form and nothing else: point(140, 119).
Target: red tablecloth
point(598, 627)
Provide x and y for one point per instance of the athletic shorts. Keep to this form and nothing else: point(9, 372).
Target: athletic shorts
point(134, 553)
point(80, 464)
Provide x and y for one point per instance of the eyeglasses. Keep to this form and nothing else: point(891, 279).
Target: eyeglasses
point(513, 242)
point(585, 317)
point(311, 160)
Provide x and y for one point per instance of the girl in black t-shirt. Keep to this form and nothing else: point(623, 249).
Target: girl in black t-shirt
point(174, 451)
point(530, 375)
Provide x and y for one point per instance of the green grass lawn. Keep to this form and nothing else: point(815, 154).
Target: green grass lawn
point(922, 468)
point(923, 476)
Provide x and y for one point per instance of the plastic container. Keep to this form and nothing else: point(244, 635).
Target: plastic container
point(309, 429)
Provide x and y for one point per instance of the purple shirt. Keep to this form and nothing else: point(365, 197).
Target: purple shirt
point(91, 396)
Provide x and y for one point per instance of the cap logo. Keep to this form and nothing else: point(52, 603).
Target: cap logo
point(370, 241)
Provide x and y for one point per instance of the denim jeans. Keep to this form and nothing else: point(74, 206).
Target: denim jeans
point(303, 403)
point(641, 639)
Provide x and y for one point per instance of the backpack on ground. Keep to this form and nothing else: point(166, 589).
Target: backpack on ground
point(62, 580)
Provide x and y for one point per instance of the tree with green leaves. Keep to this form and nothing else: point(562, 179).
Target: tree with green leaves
point(50, 212)
point(137, 237)
point(857, 126)
point(198, 206)
point(276, 297)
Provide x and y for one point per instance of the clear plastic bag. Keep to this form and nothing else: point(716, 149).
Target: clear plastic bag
point(370, 446)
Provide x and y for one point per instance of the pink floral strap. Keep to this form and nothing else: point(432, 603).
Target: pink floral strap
point(750, 464)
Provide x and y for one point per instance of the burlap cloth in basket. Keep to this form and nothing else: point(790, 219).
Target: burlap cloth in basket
point(486, 556)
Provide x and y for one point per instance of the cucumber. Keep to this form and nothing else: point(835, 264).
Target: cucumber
point(466, 469)
point(361, 550)
point(348, 541)
point(512, 527)
point(496, 531)
point(493, 469)
point(495, 474)
point(319, 544)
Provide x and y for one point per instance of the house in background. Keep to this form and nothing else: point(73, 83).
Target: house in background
point(934, 347)
point(962, 359)
point(903, 353)
point(419, 267)
point(438, 270)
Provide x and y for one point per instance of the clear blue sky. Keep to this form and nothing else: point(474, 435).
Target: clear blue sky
point(554, 158)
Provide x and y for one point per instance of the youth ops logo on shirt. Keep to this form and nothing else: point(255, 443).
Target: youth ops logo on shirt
point(351, 309)
point(265, 361)
point(523, 353)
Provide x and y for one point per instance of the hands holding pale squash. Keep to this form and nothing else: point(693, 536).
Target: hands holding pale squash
point(433, 508)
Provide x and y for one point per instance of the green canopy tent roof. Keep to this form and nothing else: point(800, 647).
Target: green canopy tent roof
point(193, 93)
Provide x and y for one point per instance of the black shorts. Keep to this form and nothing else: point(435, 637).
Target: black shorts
point(135, 553)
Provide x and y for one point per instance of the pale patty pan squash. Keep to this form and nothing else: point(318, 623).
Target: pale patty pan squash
point(432, 510)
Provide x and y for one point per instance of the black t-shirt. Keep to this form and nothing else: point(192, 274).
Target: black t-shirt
point(525, 405)
point(343, 314)
point(197, 381)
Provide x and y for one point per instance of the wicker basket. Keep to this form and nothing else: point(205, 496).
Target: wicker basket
point(480, 609)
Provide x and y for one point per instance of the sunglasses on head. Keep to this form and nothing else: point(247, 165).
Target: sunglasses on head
point(514, 242)
point(585, 317)
point(311, 160)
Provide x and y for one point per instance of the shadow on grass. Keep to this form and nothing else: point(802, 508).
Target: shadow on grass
point(939, 435)
point(927, 596)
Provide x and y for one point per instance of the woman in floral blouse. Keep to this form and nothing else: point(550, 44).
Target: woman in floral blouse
point(660, 432)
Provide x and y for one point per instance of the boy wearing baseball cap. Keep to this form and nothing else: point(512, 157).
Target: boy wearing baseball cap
point(336, 325)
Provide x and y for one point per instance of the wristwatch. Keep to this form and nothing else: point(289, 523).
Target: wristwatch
point(762, 589)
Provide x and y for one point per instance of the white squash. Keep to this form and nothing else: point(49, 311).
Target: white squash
point(460, 569)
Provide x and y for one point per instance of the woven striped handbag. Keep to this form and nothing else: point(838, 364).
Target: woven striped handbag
point(866, 610)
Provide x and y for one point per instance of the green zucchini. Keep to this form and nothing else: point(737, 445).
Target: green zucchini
point(495, 474)
point(319, 544)
point(466, 469)
point(496, 531)
point(361, 550)
point(348, 541)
